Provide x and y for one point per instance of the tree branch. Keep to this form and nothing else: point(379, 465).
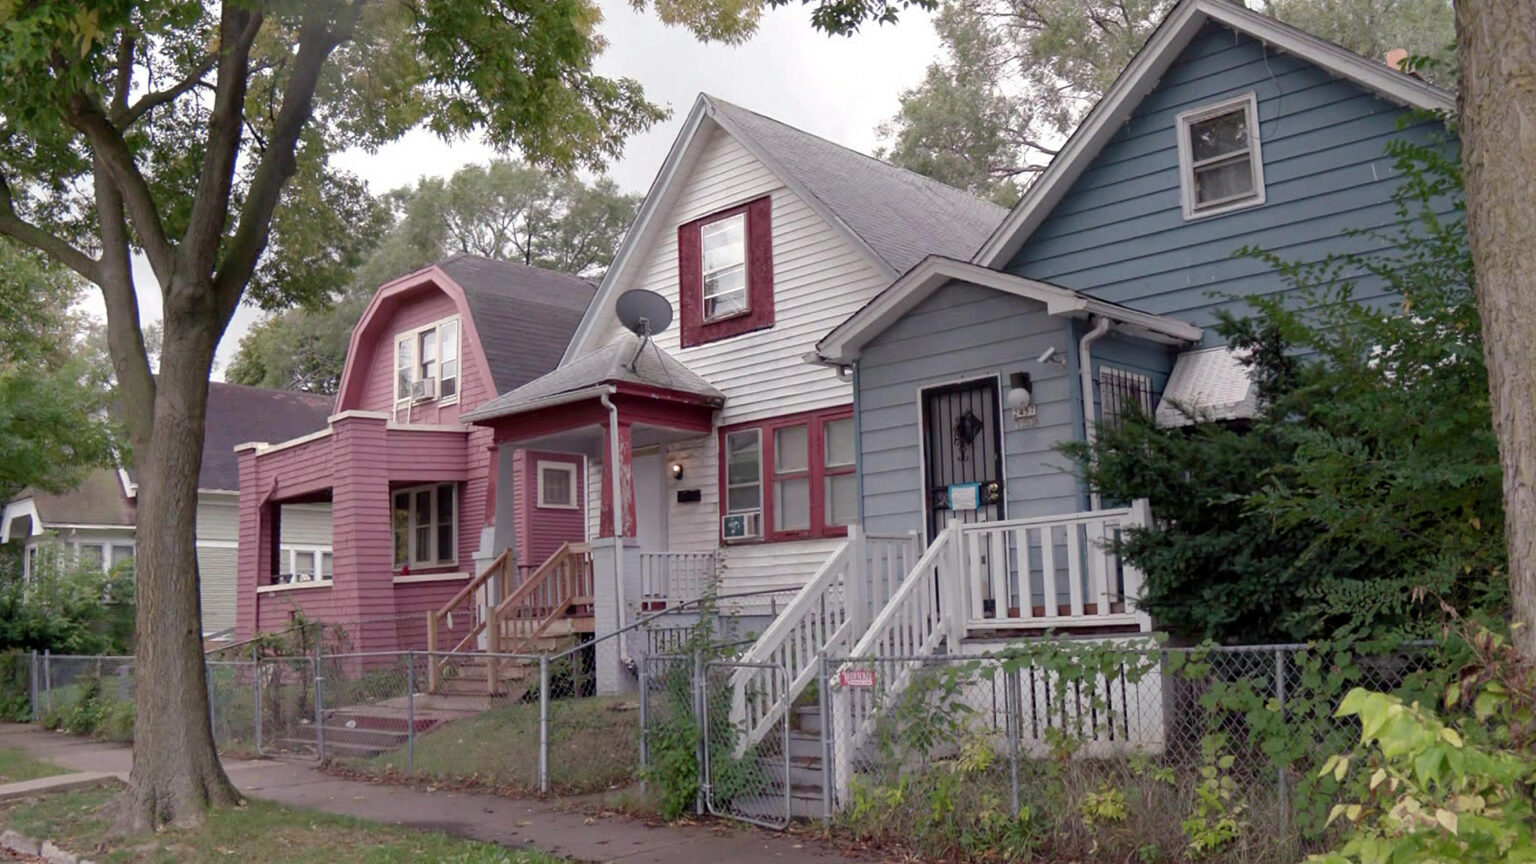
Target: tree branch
point(124, 73)
point(210, 203)
point(316, 42)
point(111, 148)
point(125, 116)
point(125, 337)
point(17, 228)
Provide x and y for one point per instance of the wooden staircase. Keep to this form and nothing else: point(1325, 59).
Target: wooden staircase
point(547, 612)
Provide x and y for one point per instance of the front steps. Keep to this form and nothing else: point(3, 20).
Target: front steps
point(805, 776)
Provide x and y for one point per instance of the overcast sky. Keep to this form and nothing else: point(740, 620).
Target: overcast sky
point(838, 88)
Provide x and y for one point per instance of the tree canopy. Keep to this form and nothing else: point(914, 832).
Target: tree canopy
point(506, 210)
point(1018, 75)
point(53, 398)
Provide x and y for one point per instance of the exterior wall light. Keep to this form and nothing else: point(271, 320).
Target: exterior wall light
point(677, 470)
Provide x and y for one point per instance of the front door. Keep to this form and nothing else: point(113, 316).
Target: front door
point(962, 454)
point(650, 501)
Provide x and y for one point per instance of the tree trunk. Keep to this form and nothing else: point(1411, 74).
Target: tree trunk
point(176, 772)
point(1497, 45)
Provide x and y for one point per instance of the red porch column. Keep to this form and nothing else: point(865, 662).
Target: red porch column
point(256, 553)
point(626, 474)
point(362, 536)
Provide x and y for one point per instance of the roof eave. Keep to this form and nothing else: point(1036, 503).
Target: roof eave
point(844, 344)
point(584, 393)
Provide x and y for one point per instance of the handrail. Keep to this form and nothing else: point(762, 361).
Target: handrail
point(804, 602)
point(568, 582)
point(491, 569)
point(501, 566)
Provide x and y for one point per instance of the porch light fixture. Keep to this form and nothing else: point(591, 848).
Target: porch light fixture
point(1020, 399)
point(677, 470)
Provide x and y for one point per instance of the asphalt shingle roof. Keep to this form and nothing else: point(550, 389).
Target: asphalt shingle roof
point(525, 315)
point(902, 216)
point(609, 364)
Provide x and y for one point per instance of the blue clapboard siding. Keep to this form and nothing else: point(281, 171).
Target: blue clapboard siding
point(960, 333)
point(1119, 233)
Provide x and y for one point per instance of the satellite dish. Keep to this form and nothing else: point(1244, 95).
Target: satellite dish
point(645, 313)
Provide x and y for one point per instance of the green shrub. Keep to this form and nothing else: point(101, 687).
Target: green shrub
point(15, 686)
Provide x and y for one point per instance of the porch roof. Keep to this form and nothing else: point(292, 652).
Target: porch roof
point(626, 360)
point(848, 339)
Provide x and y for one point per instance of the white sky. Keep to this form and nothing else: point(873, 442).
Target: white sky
point(838, 88)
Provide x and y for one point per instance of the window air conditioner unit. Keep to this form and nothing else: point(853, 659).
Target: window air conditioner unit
point(424, 388)
point(742, 526)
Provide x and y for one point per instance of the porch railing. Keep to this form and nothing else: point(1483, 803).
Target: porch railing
point(1052, 571)
point(829, 615)
point(553, 591)
point(497, 577)
point(671, 579)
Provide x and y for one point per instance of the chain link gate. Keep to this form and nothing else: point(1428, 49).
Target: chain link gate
point(749, 783)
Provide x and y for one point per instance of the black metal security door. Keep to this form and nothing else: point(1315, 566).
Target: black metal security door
point(962, 454)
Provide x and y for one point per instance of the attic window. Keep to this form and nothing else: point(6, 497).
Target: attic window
point(725, 273)
point(1220, 165)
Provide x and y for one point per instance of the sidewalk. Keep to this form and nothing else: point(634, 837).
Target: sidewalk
point(513, 822)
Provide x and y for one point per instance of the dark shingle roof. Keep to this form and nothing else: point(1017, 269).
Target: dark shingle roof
point(609, 364)
point(238, 414)
point(525, 315)
point(902, 216)
point(98, 500)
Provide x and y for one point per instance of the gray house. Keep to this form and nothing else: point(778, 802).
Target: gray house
point(1098, 290)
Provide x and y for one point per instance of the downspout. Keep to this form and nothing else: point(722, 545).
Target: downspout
point(858, 437)
point(1101, 327)
point(616, 483)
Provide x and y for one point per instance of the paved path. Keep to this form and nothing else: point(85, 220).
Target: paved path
point(514, 822)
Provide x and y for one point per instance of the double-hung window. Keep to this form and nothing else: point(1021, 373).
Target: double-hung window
point(427, 364)
point(1221, 167)
point(794, 476)
point(725, 273)
point(557, 485)
point(426, 526)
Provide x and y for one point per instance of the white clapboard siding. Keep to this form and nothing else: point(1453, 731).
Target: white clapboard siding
point(819, 280)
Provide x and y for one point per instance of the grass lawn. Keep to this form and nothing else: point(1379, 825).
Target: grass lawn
point(593, 747)
point(16, 766)
point(256, 832)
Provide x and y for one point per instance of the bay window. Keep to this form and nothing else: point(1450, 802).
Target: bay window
point(795, 475)
point(426, 526)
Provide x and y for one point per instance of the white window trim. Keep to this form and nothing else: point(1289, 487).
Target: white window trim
point(1250, 105)
point(569, 468)
point(412, 338)
point(746, 270)
point(292, 553)
point(411, 525)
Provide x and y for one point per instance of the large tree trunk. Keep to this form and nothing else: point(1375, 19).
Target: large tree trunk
point(1497, 45)
point(176, 772)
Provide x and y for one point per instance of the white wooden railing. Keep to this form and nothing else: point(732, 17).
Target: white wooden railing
point(828, 615)
point(670, 579)
point(1052, 571)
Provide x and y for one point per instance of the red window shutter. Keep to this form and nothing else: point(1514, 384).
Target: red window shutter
point(690, 285)
point(760, 263)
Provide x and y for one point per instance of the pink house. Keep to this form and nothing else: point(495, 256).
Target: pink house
point(414, 492)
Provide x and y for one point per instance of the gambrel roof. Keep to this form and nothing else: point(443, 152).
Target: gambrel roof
point(892, 215)
point(1141, 77)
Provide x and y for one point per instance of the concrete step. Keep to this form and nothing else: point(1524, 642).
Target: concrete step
point(804, 745)
point(804, 803)
point(802, 772)
point(806, 718)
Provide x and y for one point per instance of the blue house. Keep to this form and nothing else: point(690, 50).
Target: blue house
point(1097, 291)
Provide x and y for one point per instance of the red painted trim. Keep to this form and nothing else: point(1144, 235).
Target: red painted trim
point(815, 423)
point(694, 330)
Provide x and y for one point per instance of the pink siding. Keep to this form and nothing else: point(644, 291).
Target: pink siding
point(364, 456)
point(541, 530)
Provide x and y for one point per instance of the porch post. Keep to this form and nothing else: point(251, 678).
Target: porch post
point(626, 475)
point(363, 541)
point(256, 552)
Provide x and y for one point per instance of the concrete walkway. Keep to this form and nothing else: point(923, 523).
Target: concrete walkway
point(513, 822)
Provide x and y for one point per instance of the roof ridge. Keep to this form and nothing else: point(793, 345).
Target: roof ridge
point(896, 169)
point(275, 390)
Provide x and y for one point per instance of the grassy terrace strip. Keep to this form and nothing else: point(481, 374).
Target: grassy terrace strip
point(594, 746)
point(16, 766)
point(257, 831)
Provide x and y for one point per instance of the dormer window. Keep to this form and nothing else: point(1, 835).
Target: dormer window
point(427, 364)
point(725, 273)
point(1220, 165)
